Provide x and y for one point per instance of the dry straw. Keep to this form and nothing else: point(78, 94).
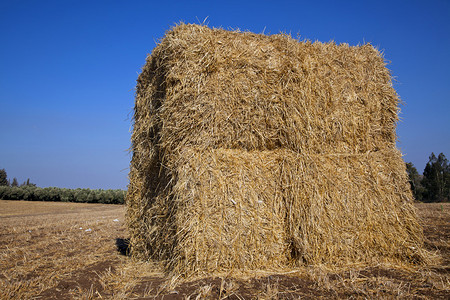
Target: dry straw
point(262, 152)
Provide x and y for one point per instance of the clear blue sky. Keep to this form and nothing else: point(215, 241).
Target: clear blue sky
point(68, 71)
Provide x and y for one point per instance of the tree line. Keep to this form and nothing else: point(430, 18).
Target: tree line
point(434, 184)
point(30, 192)
point(4, 181)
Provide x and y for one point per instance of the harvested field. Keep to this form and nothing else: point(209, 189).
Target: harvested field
point(75, 251)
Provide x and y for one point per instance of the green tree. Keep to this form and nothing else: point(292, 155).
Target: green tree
point(415, 181)
point(3, 178)
point(27, 183)
point(436, 178)
point(15, 182)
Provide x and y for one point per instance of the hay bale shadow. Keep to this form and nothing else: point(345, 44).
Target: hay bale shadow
point(123, 246)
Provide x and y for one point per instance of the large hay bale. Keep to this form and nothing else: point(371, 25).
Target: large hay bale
point(262, 152)
point(257, 92)
point(230, 211)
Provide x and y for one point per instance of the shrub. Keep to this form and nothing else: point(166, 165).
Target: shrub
point(32, 193)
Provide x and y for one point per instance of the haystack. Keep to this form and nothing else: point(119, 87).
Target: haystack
point(263, 152)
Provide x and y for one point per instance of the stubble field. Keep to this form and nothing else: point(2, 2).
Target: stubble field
point(77, 251)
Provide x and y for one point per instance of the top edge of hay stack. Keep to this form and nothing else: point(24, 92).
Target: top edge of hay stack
point(255, 152)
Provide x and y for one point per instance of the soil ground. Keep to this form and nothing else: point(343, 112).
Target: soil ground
point(76, 251)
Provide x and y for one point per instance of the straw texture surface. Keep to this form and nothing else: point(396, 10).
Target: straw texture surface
point(262, 152)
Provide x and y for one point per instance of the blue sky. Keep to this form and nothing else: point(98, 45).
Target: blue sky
point(68, 72)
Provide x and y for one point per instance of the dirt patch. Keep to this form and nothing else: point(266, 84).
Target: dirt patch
point(83, 279)
point(365, 285)
point(266, 287)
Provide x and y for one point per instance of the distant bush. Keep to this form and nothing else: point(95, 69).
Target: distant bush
point(33, 193)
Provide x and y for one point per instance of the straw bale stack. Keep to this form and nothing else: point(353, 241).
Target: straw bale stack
point(262, 152)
